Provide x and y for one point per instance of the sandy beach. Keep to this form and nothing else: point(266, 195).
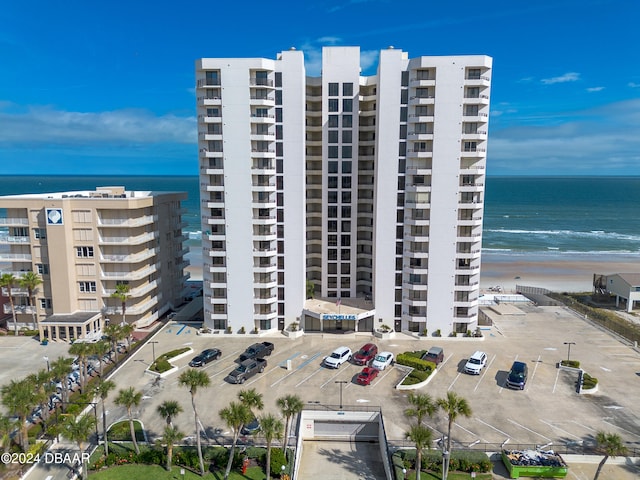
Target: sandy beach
point(561, 273)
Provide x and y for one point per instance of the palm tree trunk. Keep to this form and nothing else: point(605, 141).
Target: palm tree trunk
point(24, 434)
point(418, 463)
point(13, 313)
point(286, 434)
point(600, 465)
point(32, 301)
point(231, 453)
point(104, 430)
point(169, 456)
point(268, 466)
point(133, 433)
point(198, 442)
point(448, 455)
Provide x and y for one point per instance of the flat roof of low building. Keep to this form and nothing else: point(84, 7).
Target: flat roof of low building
point(75, 318)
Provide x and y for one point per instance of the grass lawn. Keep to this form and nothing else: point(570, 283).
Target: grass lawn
point(155, 472)
point(121, 431)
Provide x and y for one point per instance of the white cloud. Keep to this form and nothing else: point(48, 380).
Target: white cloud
point(313, 55)
point(47, 125)
point(634, 85)
point(595, 89)
point(567, 77)
point(599, 141)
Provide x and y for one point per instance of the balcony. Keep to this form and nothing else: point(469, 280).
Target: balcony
point(15, 257)
point(14, 221)
point(145, 237)
point(11, 239)
point(130, 258)
point(265, 267)
point(208, 82)
point(19, 309)
point(135, 292)
point(127, 222)
point(260, 82)
point(130, 275)
point(204, 101)
point(15, 291)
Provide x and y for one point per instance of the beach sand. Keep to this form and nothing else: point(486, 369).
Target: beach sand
point(560, 273)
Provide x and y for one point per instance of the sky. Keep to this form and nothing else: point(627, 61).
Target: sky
point(108, 87)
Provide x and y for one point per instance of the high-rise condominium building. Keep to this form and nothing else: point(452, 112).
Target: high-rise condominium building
point(82, 245)
point(370, 188)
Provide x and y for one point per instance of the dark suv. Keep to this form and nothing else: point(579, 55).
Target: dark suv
point(435, 355)
point(518, 375)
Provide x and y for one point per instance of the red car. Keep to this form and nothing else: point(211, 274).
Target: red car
point(365, 354)
point(367, 375)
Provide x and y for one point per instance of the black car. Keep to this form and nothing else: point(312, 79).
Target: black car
point(518, 375)
point(205, 357)
point(250, 428)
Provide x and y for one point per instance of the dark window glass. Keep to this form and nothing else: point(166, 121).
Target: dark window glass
point(347, 89)
point(347, 105)
point(278, 77)
point(346, 167)
point(346, 182)
point(333, 104)
point(347, 151)
point(334, 90)
point(332, 167)
point(347, 121)
point(333, 121)
point(346, 197)
point(405, 79)
point(332, 196)
point(333, 151)
point(278, 115)
point(332, 212)
point(332, 182)
point(404, 96)
point(333, 136)
point(346, 212)
point(278, 97)
point(347, 136)
point(403, 114)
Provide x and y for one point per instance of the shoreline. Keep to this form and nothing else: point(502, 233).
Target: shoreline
point(556, 271)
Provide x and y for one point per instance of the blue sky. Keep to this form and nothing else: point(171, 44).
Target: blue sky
point(108, 87)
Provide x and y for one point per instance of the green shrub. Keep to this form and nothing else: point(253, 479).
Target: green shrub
point(161, 365)
point(588, 381)
point(570, 363)
point(416, 376)
point(461, 460)
point(277, 461)
point(186, 457)
point(411, 360)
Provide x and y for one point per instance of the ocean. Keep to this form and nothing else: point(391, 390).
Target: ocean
point(541, 216)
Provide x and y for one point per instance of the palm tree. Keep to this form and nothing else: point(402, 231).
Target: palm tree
point(252, 399)
point(170, 437)
point(6, 427)
point(114, 332)
point(130, 398)
point(271, 427)
point(100, 349)
point(454, 406)
point(290, 406)
point(127, 329)
point(421, 405)
point(8, 281)
point(194, 379)
point(79, 429)
point(19, 397)
point(610, 445)
point(81, 350)
point(421, 436)
point(102, 390)
point(60, 370)
point(43, 388)
point(236, 415)
point(122, 293)
point(169, 409)
point(30, 281)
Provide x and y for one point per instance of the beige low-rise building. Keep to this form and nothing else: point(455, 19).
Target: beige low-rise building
point(82, 245)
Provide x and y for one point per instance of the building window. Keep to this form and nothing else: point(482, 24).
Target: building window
point(347, 136)
point(333, 104)
point(347, 105)
point(347, 121)
point(40, 233)
point(334, 90)
point(265, 324)
point(347, 151)
point(333, 151)
point(278, 77)
point(346, 167)
point(84, 252)
point(333, 121)
point(332, 167)
point(346, 182)
point(347, 89)
point(43, 268)
point(333, 136)
point(87, 287)
point(45, 303)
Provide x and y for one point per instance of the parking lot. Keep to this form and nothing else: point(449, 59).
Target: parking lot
point(547, 411)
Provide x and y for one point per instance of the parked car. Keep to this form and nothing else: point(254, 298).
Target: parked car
point(338, 357)
point(247, 369)
point(367, 375)
point(435, 355)
point(476, 363)
point(518, 375)
point(365, 354)
point(250, 428)
point(382, 360)
point(257, 350)
point(205, 357)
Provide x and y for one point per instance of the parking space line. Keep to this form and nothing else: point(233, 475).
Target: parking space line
point(584, 426)
point(380, 378)
point(309, 376)
point(470, 432)
point(283, 363)
point(329, 381)
point(555, 384)
point(494, 428)
point(454, 381)
point(298, 368)
point(486, 369)
point(528, 429)
point(559, 429)
point(620, 428)
point(534, 370)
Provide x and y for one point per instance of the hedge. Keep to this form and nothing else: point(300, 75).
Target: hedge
point(461, 460)
point(588, 381)
point(162, 364)
point(570, 363)
point(410, 360)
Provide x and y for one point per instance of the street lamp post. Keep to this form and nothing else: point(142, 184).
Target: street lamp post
point(46, 359)
point(341, 382)
point(95, 415)
point(153, 348)
point(569, 349)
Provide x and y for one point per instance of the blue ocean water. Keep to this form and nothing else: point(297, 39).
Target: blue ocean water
point(523, 215)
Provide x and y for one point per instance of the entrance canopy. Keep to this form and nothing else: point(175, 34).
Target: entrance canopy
point(331, 315)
